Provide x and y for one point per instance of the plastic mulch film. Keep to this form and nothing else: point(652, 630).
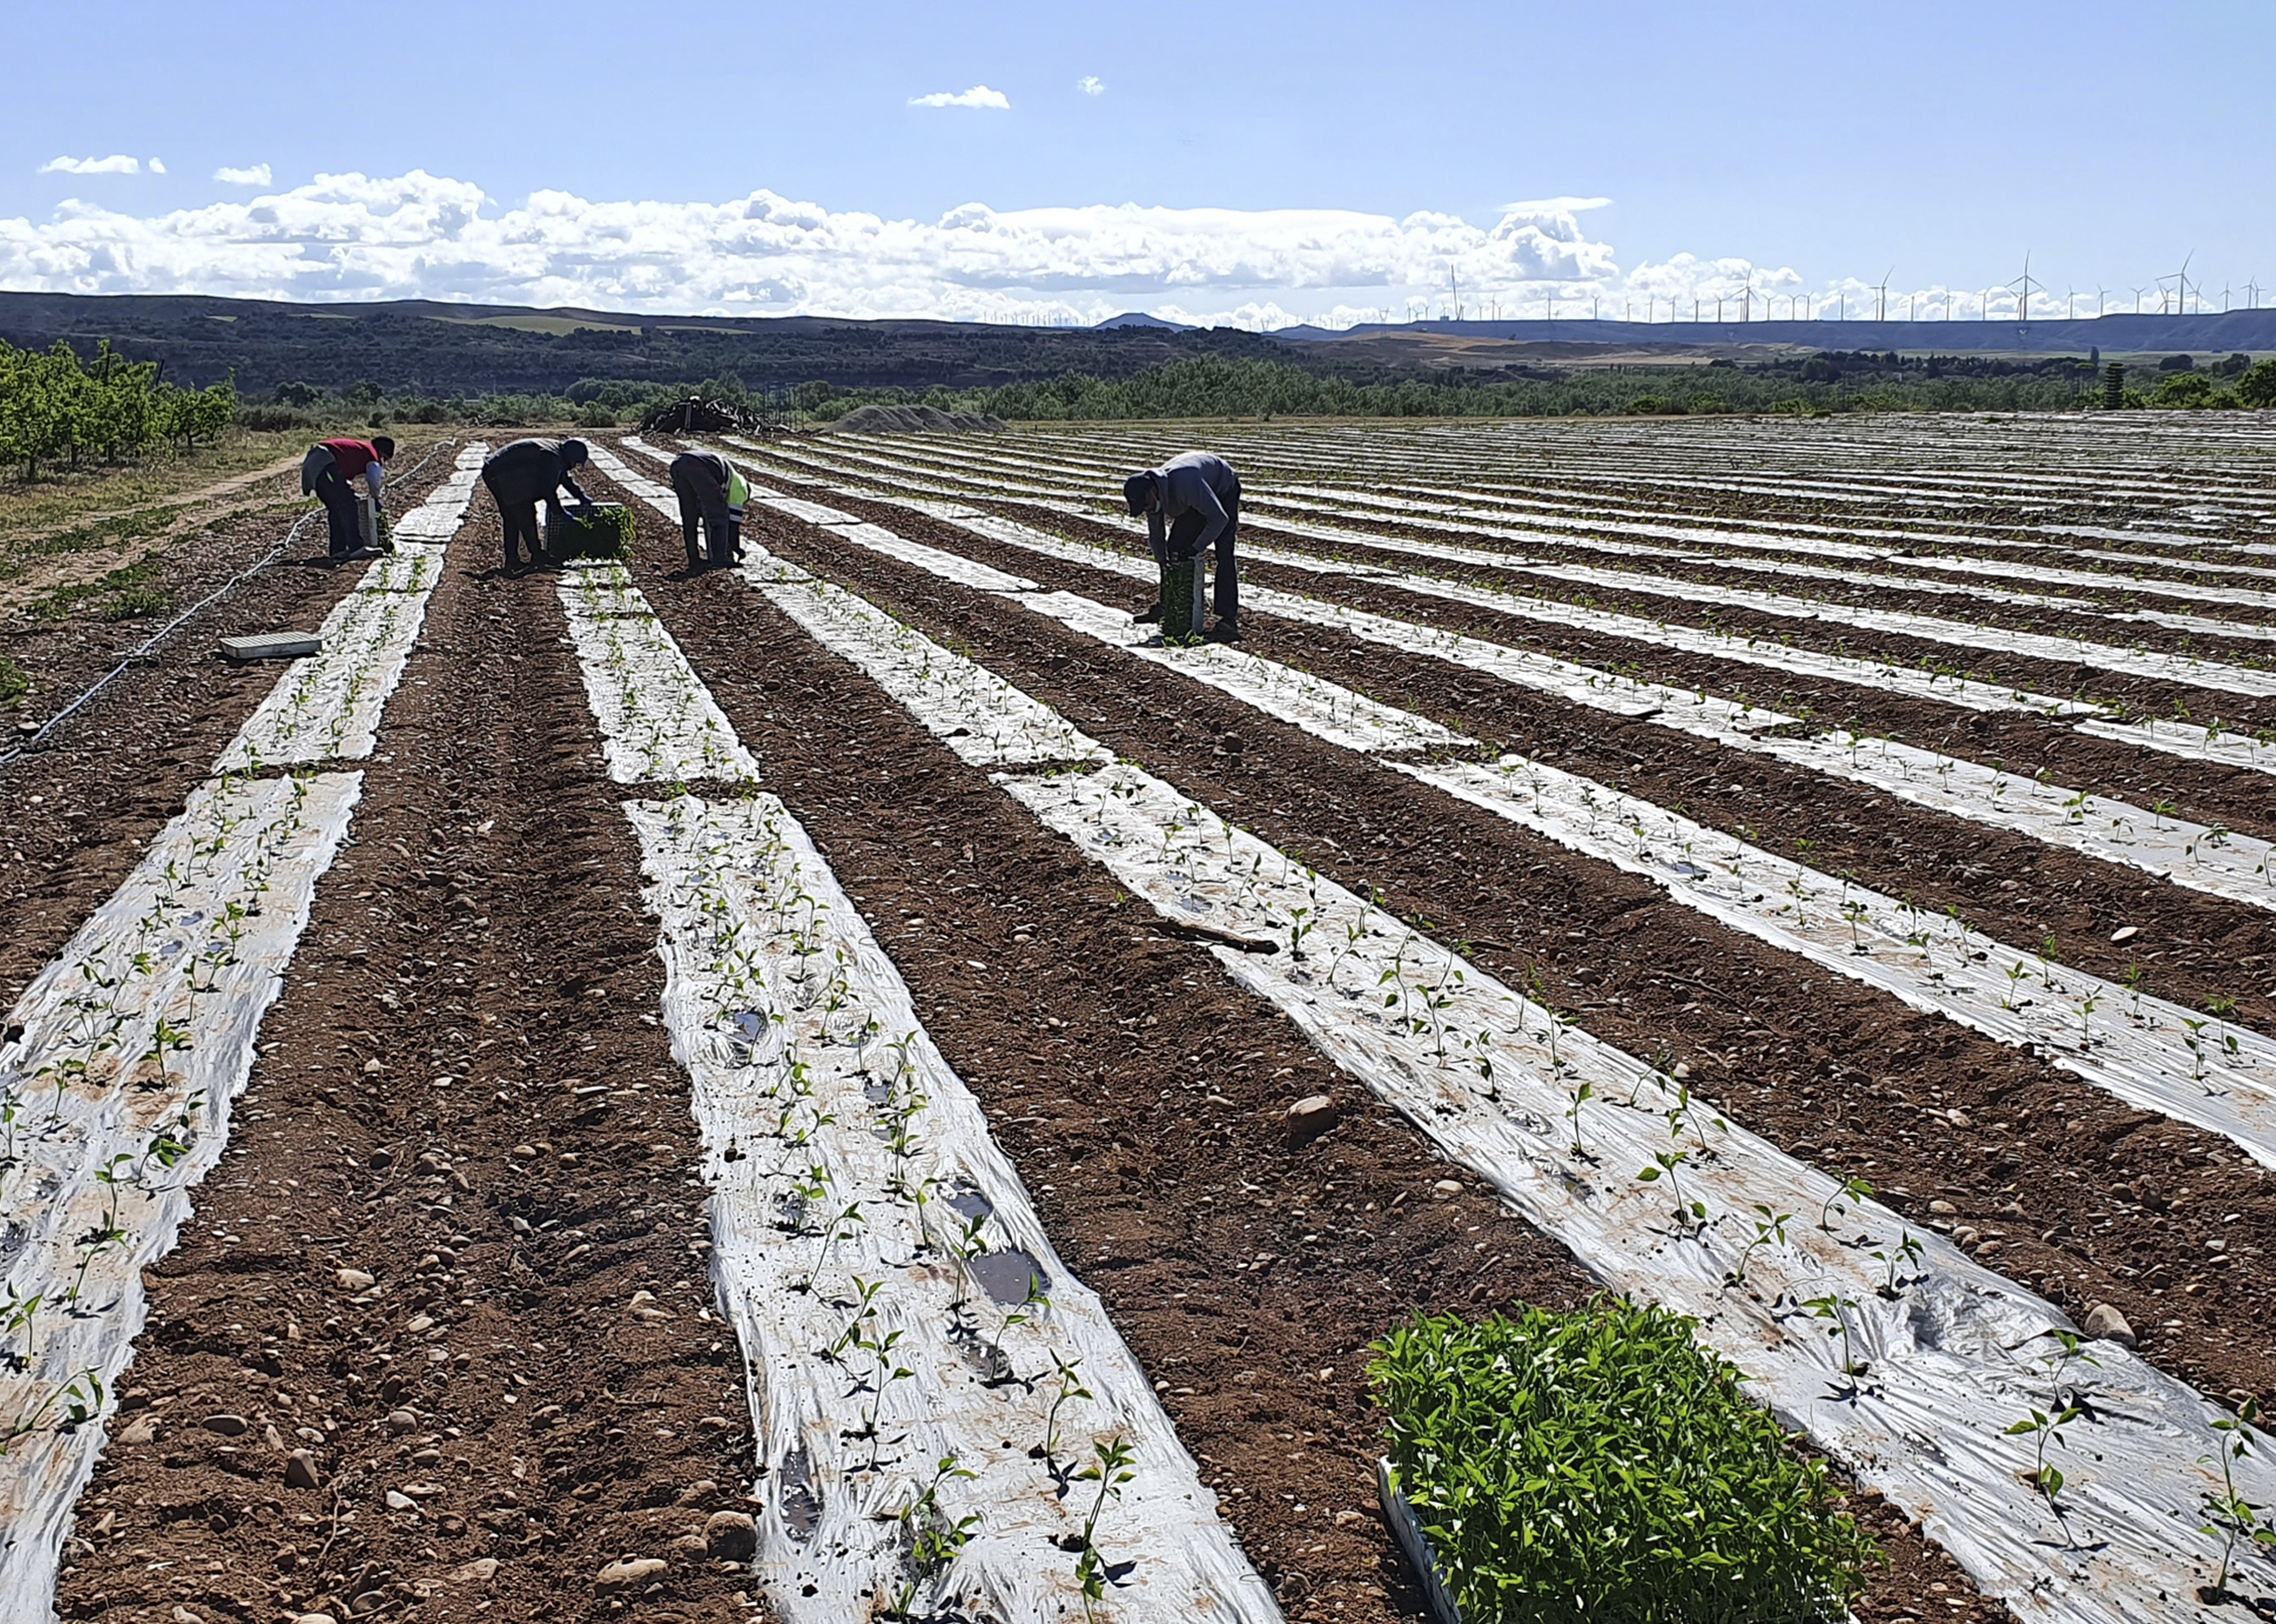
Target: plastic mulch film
point(117, 1102)
point(1561, 1124)
point(658, 723)
point(2153, 1054)
point(898, 1304)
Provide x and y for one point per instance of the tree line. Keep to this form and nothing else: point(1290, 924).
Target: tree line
point(56, 409)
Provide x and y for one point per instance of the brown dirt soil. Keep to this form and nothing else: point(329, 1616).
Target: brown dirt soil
point(1147, 1121)
point(2072, 1190)
point(77, 812)
point(500, 1390)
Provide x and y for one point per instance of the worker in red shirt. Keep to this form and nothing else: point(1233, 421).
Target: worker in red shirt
point(328, 471)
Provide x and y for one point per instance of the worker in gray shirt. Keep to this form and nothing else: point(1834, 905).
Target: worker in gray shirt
point(523, 474)
point(1193, 502)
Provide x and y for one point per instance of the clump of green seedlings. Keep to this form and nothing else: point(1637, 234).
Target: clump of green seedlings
point(1597, 1463)
point(2045, 1427)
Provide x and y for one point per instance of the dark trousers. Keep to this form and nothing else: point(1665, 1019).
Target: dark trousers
point(1186, 531)
point(519, 519)
point(339, 508)
point(702, 500)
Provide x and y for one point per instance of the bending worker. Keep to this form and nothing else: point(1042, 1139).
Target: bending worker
point(329, 469)
point(710, 488)
point(524, 474)
point(1191, 503)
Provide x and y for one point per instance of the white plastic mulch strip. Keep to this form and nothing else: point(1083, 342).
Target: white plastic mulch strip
point(1561, 1124)
point(327, 706)
point(878, 1254)
point(2151, 1053)
point(437, 519)
point(661, 497)
point(659, 724)
point(2198, 856)
point(897, 1299)
point(2169, 738)
point(113, 1104)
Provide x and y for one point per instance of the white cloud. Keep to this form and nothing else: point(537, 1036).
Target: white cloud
point(157, 168)
point(978, 96)
point(256, 175)
point(117, 164)
point(351, 237)
point(1091, 84)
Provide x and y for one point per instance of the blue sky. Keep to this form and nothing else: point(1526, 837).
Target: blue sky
point(1347, 156)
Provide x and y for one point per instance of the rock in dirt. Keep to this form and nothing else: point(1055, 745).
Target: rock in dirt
point(1308, 1118)
point(353, 1280)
point(316, 1618)
point(2105, 1324)
point(630, 1574)
point(397, 1500)
point(301, 1470)
point(1445, 1189)
point(730, 1536)
point(229, 1426)
point(402, 1420)
point(2126, 932)
point(481, 1571)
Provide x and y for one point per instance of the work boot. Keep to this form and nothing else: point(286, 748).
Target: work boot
point(695, 562)
point(1150, 615)
point(1225, 631)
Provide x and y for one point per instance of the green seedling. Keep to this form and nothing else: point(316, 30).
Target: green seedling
point(80, 1399)
point(1663, 1165)
point(934, 1542)
point(1904, 1254)
point(2232, 1517)
point(1769, 1230)
point(1110, 1469)
point(1070, 1386)
point(1854, 1189)
point(1032, 1307)
point(2047, 1429)
point(1836, 1310)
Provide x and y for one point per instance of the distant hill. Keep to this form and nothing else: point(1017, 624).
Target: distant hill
point(412, 348)
point(1139, 318)
point(416, 347)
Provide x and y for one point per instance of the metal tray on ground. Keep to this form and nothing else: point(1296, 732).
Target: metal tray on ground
point(271, 645)
point(1408, 1529)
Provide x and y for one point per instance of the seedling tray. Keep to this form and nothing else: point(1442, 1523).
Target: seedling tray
point(605, 533)
point(1406, 1528)
point(271, 645)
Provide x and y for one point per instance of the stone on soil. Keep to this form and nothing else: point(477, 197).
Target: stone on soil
point(631, 1573)
point(229, 1426)
point(1308, 1118)
point(2105, 1324)
point(354, 1280)
point(731, 1536)
point(301, 1470)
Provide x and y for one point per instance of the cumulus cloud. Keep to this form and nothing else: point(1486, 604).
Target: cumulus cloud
point(351, 237)
point(257, 175)
point(117, 164)
point(157, 168)
point(978, 96)
point(1091, 84)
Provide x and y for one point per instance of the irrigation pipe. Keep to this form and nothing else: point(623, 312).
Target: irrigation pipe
point(9, 757)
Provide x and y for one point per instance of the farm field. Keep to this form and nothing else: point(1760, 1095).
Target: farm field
point(774, 1094)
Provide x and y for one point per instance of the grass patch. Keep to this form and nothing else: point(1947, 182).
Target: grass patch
point(61, 501)
point(124, 594)
point(15, 681)
point(109, 531)
point(1599, 1464)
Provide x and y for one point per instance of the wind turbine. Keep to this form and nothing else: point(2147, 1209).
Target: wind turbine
point(2181, 279)
point(1880, 307)
point(2102, 298)
point(2022, 286)
point(2138, 299)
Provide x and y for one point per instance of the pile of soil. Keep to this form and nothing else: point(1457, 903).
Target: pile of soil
point(917, 419)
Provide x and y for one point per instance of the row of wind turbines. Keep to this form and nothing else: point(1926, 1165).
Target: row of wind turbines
point(2177, 294)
